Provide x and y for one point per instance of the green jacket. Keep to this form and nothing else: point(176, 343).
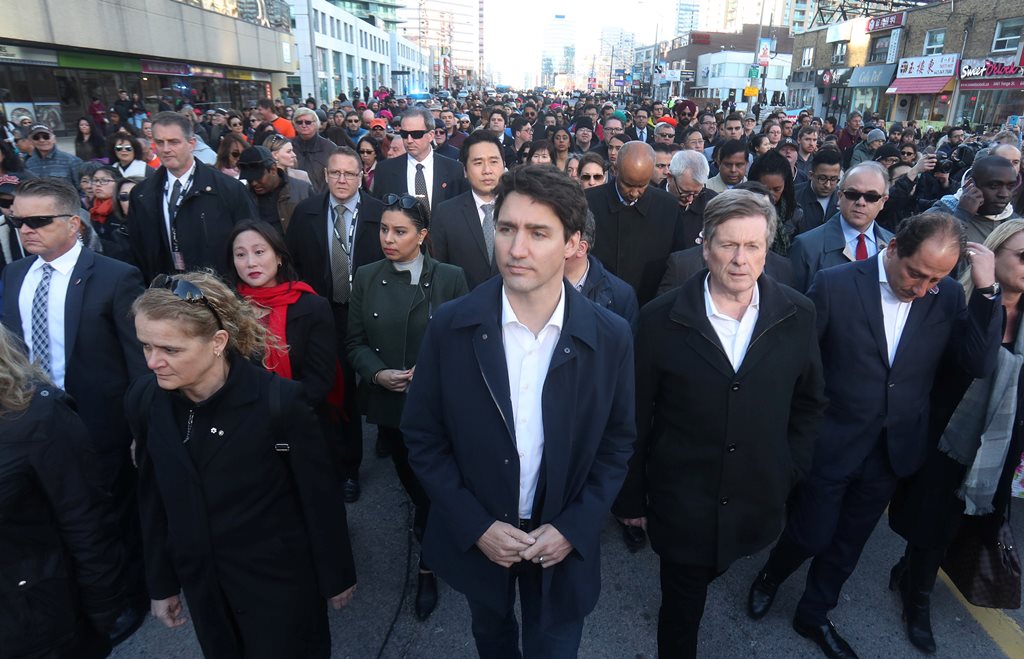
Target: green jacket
point(387, 318)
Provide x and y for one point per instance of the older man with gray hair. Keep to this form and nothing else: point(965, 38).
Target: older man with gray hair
point(312, 149)
point(687, 182)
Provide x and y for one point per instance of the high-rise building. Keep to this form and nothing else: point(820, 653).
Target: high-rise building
point(559, 52)
point(687, 17)
point(614, 55)
point(451, 30)
point(730, 15)
point(382, 13)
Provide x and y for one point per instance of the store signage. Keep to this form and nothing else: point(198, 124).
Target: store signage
point(991, 73)
point(872, 76)
point(206, 72)
point(700, 38)
point(886, 22)
point(894, 46)
point(25, 55)
point(931, 66)
point(165, 68)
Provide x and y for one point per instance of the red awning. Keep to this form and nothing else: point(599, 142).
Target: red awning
point(932, 85)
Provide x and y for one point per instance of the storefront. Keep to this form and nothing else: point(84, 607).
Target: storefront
point(923, 89)
point(802, 93)
point(833, 86)
point(991, 91)
point(56, 87)
point(868, 84)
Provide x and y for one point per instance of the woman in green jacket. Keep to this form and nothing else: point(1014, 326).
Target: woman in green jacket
point(391, 302)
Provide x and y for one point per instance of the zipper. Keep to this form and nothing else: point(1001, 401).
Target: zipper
point(188, 425)
point(495, 399)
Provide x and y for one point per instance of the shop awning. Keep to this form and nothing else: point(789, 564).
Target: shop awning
point(932, 85)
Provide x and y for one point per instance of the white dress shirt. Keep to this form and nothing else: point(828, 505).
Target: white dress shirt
point(60, 279)
point(894, 311)
point(527, 358)
point(186, 183)
point(850, 235)
point(428, 175)
point(735, 335)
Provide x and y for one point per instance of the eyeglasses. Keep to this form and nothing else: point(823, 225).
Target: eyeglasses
point(124, 147)
point(685, 194)
point(588, 177)
point(337, 175)
point(826, 179)
point(35, 221)
point(235, 124)
point(303, 122)
point(367, 152)
point(187, 291)
point(353, 120)
point(665, 135)
point(102, 181)
point(908, 153)
point(854, 195)
point(414, 134)
point(41, 137)
point(123, 196)
point(377, 128)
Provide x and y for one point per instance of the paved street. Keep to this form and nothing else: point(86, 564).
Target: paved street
point(381, 624)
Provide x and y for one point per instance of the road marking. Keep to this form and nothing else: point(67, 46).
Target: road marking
point(1001, 628)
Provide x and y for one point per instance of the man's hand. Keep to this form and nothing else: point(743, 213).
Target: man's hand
point(983, 265)
point(503, 543)
point(971, 198)
point(168, 611)
point(635, 521)
point(343, 598)
point(394, 380)
point(551, 547)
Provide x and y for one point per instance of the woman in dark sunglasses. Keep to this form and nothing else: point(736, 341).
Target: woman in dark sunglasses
point(241, 508)
point(105, 214)
point(370, 152)
point(391, 302)
point(125, 153)
point(230, 150)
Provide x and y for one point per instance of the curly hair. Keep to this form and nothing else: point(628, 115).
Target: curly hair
point(18, 376)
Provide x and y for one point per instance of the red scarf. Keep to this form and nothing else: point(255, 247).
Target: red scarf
point(101, 209)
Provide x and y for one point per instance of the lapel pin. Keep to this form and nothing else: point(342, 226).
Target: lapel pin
point(78, 281)
point(444, 185)
point(209, 189)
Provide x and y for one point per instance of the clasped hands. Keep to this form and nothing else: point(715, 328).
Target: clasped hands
point(506, 545)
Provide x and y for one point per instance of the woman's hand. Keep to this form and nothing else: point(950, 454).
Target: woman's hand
point(394, 380)
point(342, 599)
point(169, 611)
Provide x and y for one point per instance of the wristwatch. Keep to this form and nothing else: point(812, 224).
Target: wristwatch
point(991, 291)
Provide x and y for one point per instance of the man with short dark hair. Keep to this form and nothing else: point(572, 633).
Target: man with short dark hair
point(954, 138)
point(519, 424)
point(497, 119)
point(731, 158)
point(640, 130)
point(522, 132)
point(985, 197)
point(807, 142)
point(662, 158)
point(818, 198)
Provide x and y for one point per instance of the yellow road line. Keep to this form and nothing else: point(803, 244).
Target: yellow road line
point(1000, 627)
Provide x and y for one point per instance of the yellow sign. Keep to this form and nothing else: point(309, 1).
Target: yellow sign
point(751, 91)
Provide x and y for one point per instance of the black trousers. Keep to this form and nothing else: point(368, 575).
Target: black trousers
point(831, 519)
point(393, 439)
point(351, 440)
point(684, 591)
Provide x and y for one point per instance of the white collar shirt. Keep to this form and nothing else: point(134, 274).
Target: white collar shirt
point(734, 335)
point(60, 279)
point(527, 358)
point(186, 180)
point(894, 311)
point(428, 175)
point(480, 202)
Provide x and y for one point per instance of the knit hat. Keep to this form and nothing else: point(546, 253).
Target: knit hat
point(876, 134)
point(887, 151)
point(584, 122)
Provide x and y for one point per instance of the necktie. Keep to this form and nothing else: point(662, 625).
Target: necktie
point(488, 228)
point(172, 202)
point(41, 321)
point(339, 257)
point(421, 187)
point(862, 248)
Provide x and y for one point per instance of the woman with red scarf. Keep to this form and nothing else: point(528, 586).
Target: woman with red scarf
point(300, 319)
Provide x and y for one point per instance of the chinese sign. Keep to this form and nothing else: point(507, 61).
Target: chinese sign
point(931, 66)
point(886, 22)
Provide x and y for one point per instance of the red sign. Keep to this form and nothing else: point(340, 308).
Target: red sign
point(886, 22)
point(700, 38)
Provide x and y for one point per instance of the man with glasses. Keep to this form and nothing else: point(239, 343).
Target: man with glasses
point(72, 309)
point(851, 234)
point(354, 127)
point(664, 133)
point(311, 148)
point(430, 179)
point(687, 182)
point(709, 127)
point(331, 235)
point(954, 139)
point(47, 159)
point(684, 110)
point(522, 133)
point(613, 127)
point(640, 224)
point(818, 198)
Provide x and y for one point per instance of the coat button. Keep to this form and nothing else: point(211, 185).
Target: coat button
point(22, 583)
point(724, 501)
point(567, 351)
point(892, 384)
point(484, 337)
point(375, 314)
point(735, 386)
point(376, 349)
point(505, 515)
point(506, 460)
point(732, 448)
point(44, 393)
point(426, 285)
point(384, 282)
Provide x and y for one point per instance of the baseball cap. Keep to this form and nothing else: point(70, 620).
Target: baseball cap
point(750, 116)
point(255, 158)
point(38, 128)
point(383, 123)
point(786, 142)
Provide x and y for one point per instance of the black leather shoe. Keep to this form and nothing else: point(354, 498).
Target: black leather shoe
point(828, 639)
point(634, 537)
point(381, 449)
point(762, 594)
point(351, 488)
point(128, 621)
point(919, 626)
point(426, 595)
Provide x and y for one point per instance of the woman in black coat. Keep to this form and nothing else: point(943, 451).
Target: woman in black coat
point(927, 510)
point(59, 559)
point(241, 508)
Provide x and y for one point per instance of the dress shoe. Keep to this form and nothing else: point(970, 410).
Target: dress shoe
point(762, 594)
point(128, 621)
point(426, 595)
point(634, 536)
point(351, 488)
point(918, 616)
point(381, 449)
point(827, 638)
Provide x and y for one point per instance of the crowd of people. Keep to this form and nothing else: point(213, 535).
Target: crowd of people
point(730, 332)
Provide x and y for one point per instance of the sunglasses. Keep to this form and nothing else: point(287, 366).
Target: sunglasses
point(187, 291)
point(123, 196)
point(102, 181)
point(41, 137)
point(908, 153)
point(414, 134)
point(377, 128)
point(405, 201)
point(35, 221)
point(124, 147)
point(365, 152)
point(6, 203)
point(303, 122)
point(854, 195)
point(587, 177)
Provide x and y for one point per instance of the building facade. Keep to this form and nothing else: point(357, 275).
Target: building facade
point(725, 74)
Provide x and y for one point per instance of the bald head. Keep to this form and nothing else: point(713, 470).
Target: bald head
point(633, 170)
point(1008, 151)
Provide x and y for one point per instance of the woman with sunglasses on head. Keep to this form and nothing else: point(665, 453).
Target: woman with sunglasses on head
point(284, 155)
point(392, 300)
point(369, 150)
point(241, 508)
point(125, 154)
point(231, 147)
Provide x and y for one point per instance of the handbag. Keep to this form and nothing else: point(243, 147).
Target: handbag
point(983, 564)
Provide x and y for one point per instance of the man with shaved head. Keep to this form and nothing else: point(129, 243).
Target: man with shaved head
point(638, 224)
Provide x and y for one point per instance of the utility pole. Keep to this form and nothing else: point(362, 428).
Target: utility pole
point(654, 59)
point(611, 68)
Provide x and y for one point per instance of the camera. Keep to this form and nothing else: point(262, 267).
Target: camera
point(944, 166)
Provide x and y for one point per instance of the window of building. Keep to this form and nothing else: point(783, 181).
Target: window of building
point(879, 51)
point(807, 57)
point(934, 42)
point(839, 52)
point(316, 21)
point(1008, 34)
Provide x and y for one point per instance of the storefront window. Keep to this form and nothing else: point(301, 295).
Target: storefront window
point(930, 107)
point(879, 49)
point(991, 107)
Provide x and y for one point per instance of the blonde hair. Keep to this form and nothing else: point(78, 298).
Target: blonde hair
point(247, 336)
point(1002, 233)
point(18, 376)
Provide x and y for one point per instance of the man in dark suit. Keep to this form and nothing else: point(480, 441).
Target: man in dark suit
point(462, 229)
point(850, 235)
point(588, 276)
point(431, 179)
point(687, 180)
point(640, 130)
point(819, 198)
point(181, 217)
point(72, 308)
point(524, 447)
point(330, 236)
point(884, 326)
point(638, 224)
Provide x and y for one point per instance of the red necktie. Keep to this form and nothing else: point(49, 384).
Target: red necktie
point(862, 248)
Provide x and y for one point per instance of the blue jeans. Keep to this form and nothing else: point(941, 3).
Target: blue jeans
point(497, 634)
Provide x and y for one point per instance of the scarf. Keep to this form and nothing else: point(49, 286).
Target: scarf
point(980, 430)
point(277, 299)
point(101, 209)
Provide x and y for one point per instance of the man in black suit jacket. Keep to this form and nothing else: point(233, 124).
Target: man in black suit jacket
point(85, 342)
point(443, 178)
point(638, 225)
point(884, 326)
point(457, 226)
point(640, 130)
point(346, 219)
point(826, 167)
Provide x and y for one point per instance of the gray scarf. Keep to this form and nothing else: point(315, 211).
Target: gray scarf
point(980, 429)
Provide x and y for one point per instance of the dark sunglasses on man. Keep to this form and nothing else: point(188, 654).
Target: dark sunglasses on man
point(186, 291)
point(34, 222)
point(414, 134)
point(854, 195)
point(41, 137)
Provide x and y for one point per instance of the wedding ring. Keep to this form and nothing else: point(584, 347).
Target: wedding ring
point(541, 559)
point(970, 253)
